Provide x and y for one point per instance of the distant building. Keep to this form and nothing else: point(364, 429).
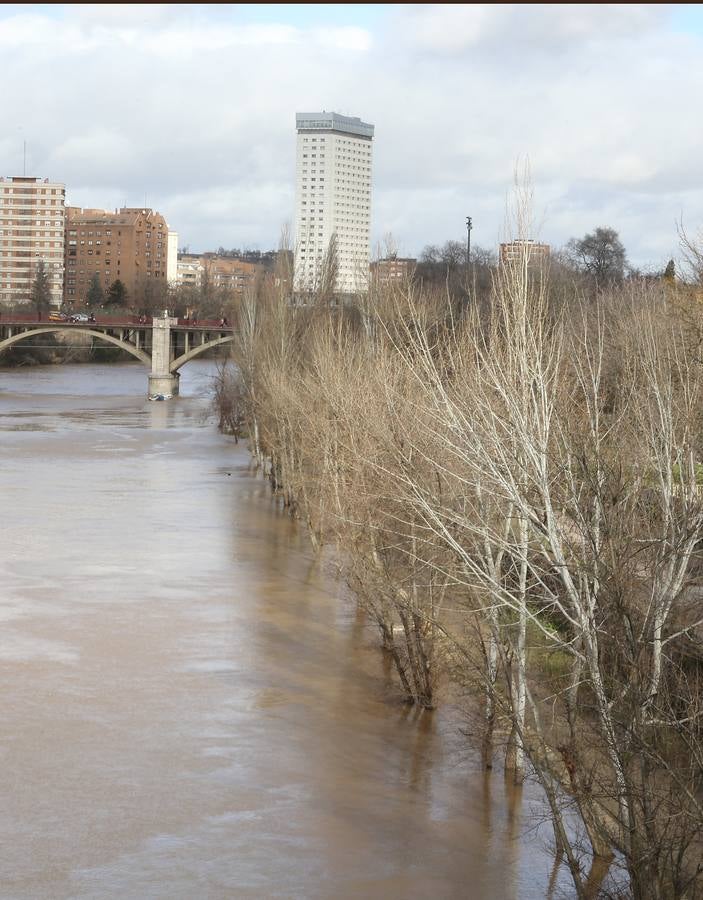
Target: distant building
point(333, 199)
point(129, 245)
point(32, 214)
point(189, 270)
point(172, 258)
point(218, 272)
point(513, 251)
point(228, 273)
point(393, 269)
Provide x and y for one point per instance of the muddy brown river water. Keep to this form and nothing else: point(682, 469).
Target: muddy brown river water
point(189, 707)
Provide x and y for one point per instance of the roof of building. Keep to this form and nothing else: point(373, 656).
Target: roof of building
point(124, 216)
point(332, 121)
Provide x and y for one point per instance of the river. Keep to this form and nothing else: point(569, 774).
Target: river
point(190, 707)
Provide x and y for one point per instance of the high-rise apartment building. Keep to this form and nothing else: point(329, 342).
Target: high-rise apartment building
point(129, 245)
point(333, 199)
point(31, 229)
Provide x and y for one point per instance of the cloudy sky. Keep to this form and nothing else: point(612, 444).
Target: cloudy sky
point(193, 109)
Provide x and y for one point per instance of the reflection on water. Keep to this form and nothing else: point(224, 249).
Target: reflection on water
point(189, 709)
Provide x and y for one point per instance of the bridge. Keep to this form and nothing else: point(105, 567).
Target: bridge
point(164, 344)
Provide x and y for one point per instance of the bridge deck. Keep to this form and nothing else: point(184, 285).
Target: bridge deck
point(9, 319)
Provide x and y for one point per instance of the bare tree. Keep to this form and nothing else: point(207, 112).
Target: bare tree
point(514, 496)
point(691, 247)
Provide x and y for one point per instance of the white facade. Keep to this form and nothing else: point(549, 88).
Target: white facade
point(32, 214)
point(172, 257)
point(189, 270)
point(333, 199)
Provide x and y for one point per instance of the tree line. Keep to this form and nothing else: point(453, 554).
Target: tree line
point(596, 261)
point(513, 484)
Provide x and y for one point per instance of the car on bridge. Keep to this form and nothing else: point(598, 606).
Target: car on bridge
point(80, 317)
point(58, 317)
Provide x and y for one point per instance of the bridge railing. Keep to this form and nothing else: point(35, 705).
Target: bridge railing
point(107, 321)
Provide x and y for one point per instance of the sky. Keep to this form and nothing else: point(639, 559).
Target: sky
point(191, 111)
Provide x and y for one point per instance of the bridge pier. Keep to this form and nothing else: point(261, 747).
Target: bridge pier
point(165, 344)
point(161, 381)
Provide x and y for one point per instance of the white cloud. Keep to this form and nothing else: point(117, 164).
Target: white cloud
point(456, 28)
point(195, 108)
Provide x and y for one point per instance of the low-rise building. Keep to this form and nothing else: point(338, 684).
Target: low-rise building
point(216, 272)
point(231, 274)
point(189, 270)
point(513, 251)
point(393, 269)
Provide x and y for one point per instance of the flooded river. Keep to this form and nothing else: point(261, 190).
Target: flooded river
point(189, 707)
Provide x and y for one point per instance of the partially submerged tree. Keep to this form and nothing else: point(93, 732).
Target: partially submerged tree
point(514, 492)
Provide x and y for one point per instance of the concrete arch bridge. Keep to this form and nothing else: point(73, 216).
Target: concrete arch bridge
point(163, 343)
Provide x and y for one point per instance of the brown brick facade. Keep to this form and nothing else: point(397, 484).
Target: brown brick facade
point(130, 245)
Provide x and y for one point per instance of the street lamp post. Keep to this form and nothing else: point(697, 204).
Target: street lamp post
point(468, 241)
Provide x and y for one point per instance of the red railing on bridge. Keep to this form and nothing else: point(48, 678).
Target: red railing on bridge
point(12, 318)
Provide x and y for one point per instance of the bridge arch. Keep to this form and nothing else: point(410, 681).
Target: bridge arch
point(196, 351)
point(108, 338)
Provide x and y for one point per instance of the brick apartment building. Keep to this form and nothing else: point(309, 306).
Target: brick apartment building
point(392, 269)
point(130, 244)
point(231, 274)
point(512, 252)
point(31, 229)
point(218, 272)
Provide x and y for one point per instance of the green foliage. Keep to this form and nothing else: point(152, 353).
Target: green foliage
point(676, 472)
point(95, 295)
point(41, 295)
point(117, 294)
